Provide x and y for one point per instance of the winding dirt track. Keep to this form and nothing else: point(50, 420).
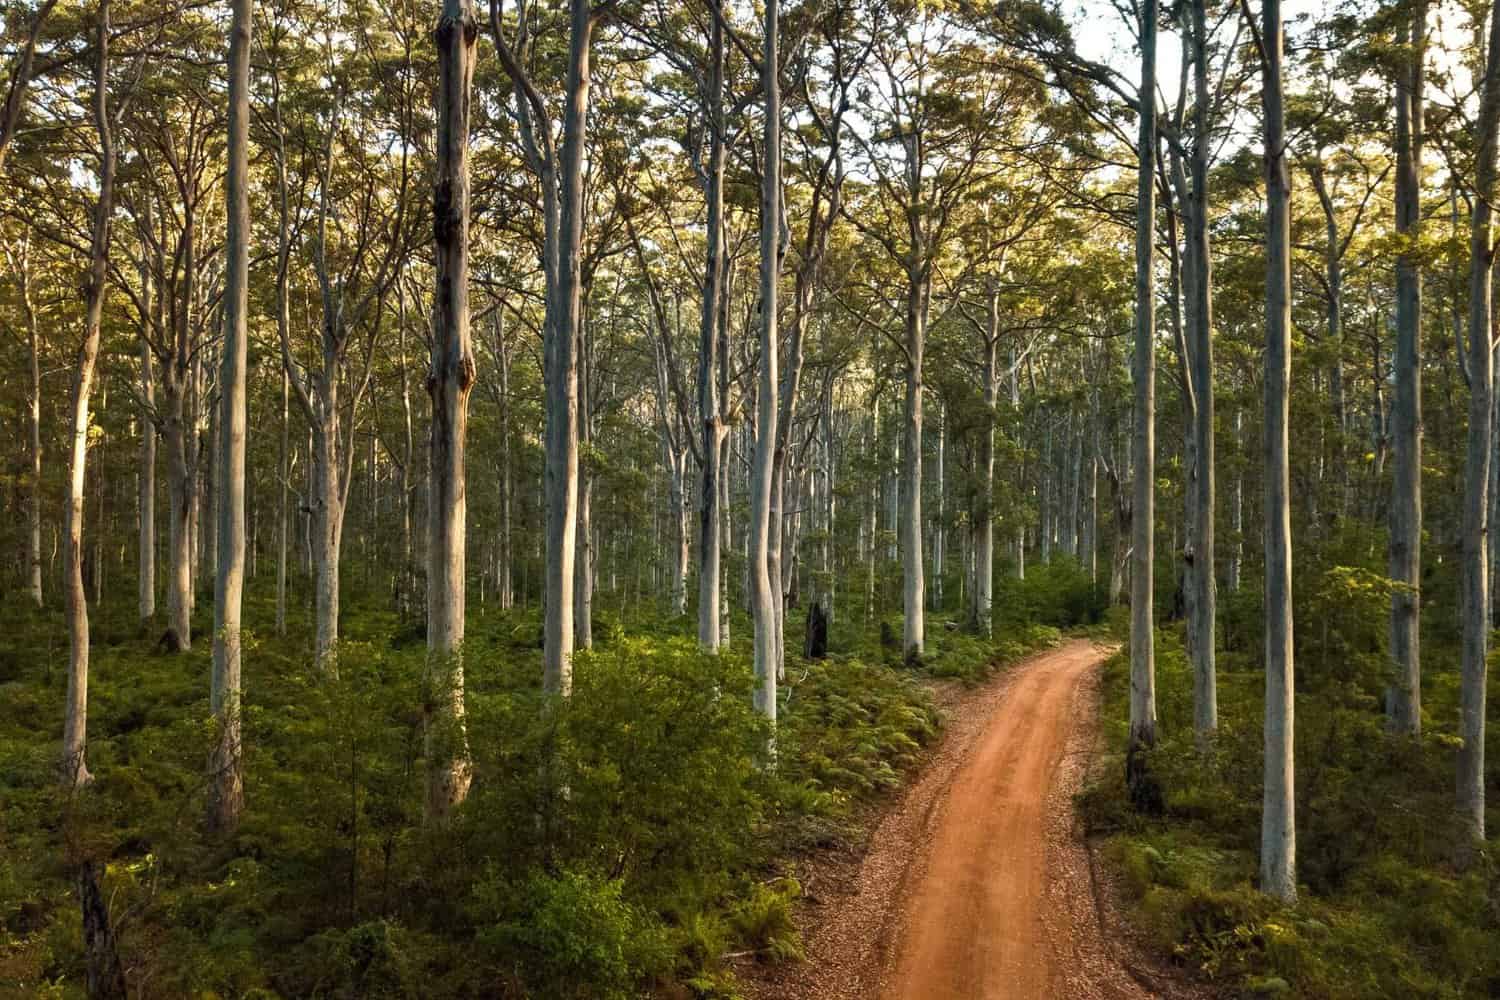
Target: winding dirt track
point(977, 885)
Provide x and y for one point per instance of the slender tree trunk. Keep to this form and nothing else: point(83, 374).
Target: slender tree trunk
point(450, 383)
point(1404, 701)
point(146, 493)
point(762, 490)
point(75, 726)
point(1142, 576)
point(504, 568)
point(1278, 842)
point(914, 584)
point(285, 465)
point(984, 517)
point(227, 790)
point(1236, 510)
point(327, 531)
point(1475, 576)
point(710, 550)
point(562, 387)
point(583, 565)
point(937, 524)
point(1201, 625)
point(180, 490)
point(34, 428)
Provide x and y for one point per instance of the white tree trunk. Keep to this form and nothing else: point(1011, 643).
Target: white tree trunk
point(1232, 569)
point(450, 382)
point(74, 769)
point(181, 487)
point(504, 564)
point(1404, 701)
point(562, 387)
point(282, 527)
point(942, 511)
point(1204, 600)
point(1142, 621)
point(146, 495)
point(583, 560)
point(227, 790)
point(910, 516)
point(762, 489)
point(1475, 574)
point(34, 429)
point(1278, 845)
point(327, 538)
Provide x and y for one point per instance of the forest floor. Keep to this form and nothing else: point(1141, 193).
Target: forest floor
point(976, 882)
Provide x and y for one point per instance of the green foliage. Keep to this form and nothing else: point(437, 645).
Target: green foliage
point(628, 836)
point(1383, 912)
point(1057, 593)
point(571, 935)
point(763, 920)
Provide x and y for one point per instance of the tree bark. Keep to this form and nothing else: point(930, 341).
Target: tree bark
point(1278, 844)
point(146, 496)
point(1204, 603)
point(984, 516)
point(1404, 700)
point(449, 383)
point(34, 430)
point(562, 383)
point(710, 548)
point(227, 790)
point(583, 560)
point(1475, 574)
point(913, 580)
point(75, 726)
point(762, 605)
point(1142, 624)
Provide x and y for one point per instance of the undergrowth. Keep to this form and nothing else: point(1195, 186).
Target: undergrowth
point(1386, 909)
point(621, 841)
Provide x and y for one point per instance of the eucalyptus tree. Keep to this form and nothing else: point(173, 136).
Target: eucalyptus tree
point(1474, 575)
point(226, 782)
point(1143, 449)
point(1194, 141)
point(1345, 178)
point(23, 67)
point(1404, 699)
point(74, 766)
point(449, 382)
point(359, 240)
point(1278, 841)
point(841, 54)
point(558, 163)
point(20, 256)
point(763, 594)
point(925, 145)
point(170, 194)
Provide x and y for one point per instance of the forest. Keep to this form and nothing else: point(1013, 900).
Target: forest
point(805, 498)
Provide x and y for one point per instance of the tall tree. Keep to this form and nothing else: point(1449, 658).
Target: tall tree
point(227, 789)
point(1143, 504)
point(1475, 582)
point(1278, 838)
point(1404, 702)
point(21, 71)
point(450, 383)
point(559, 169)
point(767, 619)
point(75, 726)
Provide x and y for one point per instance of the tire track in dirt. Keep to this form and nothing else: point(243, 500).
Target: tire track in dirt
point(976, 885)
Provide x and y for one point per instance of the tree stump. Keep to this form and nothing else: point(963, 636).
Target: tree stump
point(815, 645)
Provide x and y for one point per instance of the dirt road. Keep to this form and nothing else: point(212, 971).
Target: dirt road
point(976, 885)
